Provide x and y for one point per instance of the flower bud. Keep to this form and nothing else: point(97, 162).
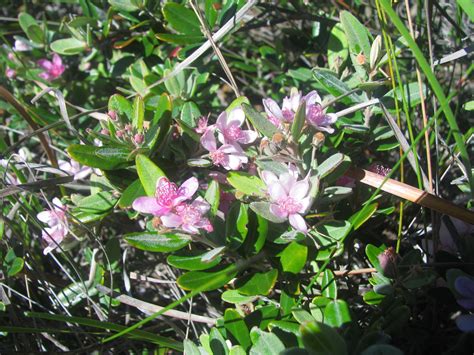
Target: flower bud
point(318, 139)
point(156, 222)
point(379, 169)
point(146, 125)
point(128, 127)
point(104, 131)
point(388, 262)
point(112, 114)
point(139, 138)
point(119, 134)
point(277, 138)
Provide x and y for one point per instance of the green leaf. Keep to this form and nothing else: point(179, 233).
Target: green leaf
point(328, 285)
point(298, 122)
point(181, 19)
point(191, 262)
point(138, 113)
point(125, 5)
point(190, 348)
point(411, 93)
point(211, 12)
point(265, 343)
point(217, 343)
point(293, 257)
point(302, 316)
point(158, 242)
point(358, 40)
point(237, 350)
point(181, 39)
point(131, 193)
point(466, 6)
point(337, 313)
point(105, 157)
point(337, 47)
point(236, 225)
point(121, 105)
point(31, 28)
point(258, 283)
point(68, 46)
point(15, 266)
point(190, 113)
point(212, 196)
point(261, 123)
point(148, 173)
point(372, 253)
point(334, 86)
point(234, 297)
point(321, 339)
point(247, 184)
point(235, 325)
point(358, 219)
point(97, 203)
point(373, 298)
point(206, 281)
point(329, 165)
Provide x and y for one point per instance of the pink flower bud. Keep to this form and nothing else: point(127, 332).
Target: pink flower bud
point(104, 131)
point(119, 134)
point(379, 169)
point(139, 138)
point(128, 127)
point(112, 114)
point(388, 262)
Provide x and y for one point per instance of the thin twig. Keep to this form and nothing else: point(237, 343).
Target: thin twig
point(153, 308)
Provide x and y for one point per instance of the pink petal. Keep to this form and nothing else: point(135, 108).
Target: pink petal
point(312, 98)
point(222, 121)
point(190, 228)
point(287, 180)
point(57, 203)
point(45, 64)
point(171, 220)
point(272, 109)
point(236, 116)
point(44, 75)
point(278, 211)
point(298, 223)
point(299, 190)
point(269, 177)
point(45, 216)
point(149, 205)
point(231, 149)
point(201, 205)
point(234, 162)
point(208, 141)
point(248, 137)
point(57, 61)
point(305, 204)
point(189, 187)
point(276, 191)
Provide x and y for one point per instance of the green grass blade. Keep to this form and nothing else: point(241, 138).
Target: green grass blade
point(435, 86)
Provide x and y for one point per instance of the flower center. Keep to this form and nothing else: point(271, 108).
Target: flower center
point(315, 115)
point(190, 215)
point(217, 157)
point(233, 132)
point(166, 192)
point(288, 115)
point(289, 205)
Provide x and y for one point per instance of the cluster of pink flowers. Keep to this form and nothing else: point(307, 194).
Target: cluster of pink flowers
point(58, 226)
point(315, 114)
point(230, 154)
point(52, 69)
point(290, 198)
point(169, 204)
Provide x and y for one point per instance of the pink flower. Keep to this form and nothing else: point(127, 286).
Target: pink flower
point(167, 197)
point(315, 114)
point(189, 217)
point(10, 73)
point(53, 69)
point(289, 197)
point(229, 156)
point(229, 128)
point(74, 168)
point(58, 228)
point(286, 113)
point(379, 169)
point(202, 125)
